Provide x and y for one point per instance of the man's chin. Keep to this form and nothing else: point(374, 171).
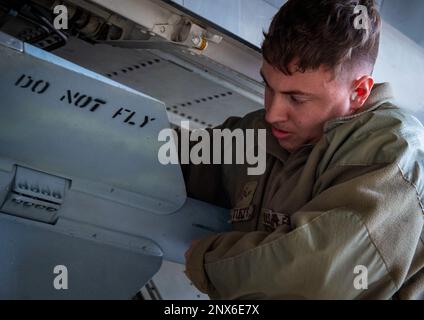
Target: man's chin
point(290, 147)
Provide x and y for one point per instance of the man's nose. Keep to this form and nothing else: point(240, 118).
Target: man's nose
point(276, 111)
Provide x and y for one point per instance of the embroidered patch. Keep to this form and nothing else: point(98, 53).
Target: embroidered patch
point(274, 219)
point(246, 196)
point(242, 214)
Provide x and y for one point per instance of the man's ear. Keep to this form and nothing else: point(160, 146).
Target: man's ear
point(360, 92)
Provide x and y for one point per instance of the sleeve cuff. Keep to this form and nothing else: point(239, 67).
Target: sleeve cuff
point(195, 265)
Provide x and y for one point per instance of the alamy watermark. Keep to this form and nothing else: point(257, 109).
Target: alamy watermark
point(361, 280)
point(227, 147)
point(60, 22)
point(60, 282)
point(362, 20)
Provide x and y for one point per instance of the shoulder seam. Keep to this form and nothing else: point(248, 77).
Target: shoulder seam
point(414, 186)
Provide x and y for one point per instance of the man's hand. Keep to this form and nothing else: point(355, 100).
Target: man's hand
point(190, 250)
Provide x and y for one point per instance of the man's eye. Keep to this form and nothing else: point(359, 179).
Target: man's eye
point(296, 100)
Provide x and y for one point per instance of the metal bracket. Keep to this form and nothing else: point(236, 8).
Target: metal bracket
point(35, 195)
point(187, 34)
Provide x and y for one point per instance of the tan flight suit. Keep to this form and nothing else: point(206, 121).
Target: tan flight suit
point(349, 206)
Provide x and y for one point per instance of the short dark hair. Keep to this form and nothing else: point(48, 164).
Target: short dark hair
point(322, 32)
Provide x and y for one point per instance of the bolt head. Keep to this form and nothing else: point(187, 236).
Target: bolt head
point(196, 40)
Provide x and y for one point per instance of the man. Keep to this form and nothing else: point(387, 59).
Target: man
point(338, 214)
